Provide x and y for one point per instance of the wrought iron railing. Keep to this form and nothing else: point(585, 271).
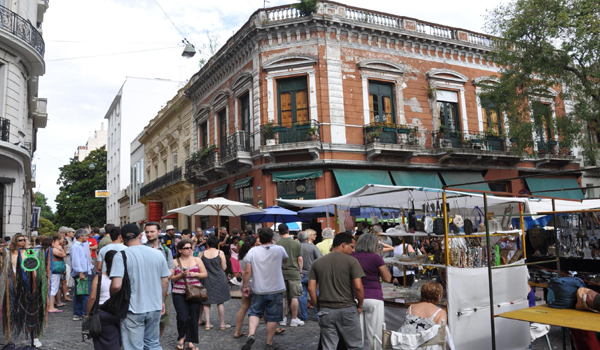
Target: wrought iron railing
point(165, 180)
point(199, 164)
point(240, 141)
point(4, 129)
point(390, 133)
point(22, 28)
point(277, 134)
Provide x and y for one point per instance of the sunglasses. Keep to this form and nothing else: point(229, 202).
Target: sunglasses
point(186, 248)
point(21, 240)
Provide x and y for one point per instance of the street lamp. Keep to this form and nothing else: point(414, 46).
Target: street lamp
point(260, 203)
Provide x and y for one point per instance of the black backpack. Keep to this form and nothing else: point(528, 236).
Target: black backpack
point(118, 304)
point(468, 226)
point(438, 226)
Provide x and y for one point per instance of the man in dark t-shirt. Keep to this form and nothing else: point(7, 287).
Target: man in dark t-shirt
point(338, 276)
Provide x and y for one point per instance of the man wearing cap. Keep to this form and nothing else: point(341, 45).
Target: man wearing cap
point(140, 329)
point(171, 239)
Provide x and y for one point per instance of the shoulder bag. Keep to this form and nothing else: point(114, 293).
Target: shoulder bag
point(118, 304)
point(91, 326)
point(193, 292)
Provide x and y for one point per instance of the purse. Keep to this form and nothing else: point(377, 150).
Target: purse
point(118, 303)
point(91, 326)
point(58, 267)
point(193, 292)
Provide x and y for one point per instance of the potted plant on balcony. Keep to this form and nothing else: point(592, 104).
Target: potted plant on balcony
point(388, 127)
point(404, 129)
point(441, 131)
point(311, 134)
point(491, 134)
point(302, 125)
point(373, 136)
point(269, 133)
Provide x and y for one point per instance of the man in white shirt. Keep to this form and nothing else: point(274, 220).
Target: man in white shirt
point(81, 270)
point(264, 264)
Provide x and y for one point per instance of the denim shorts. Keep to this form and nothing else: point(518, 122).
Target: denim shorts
point(271, 303)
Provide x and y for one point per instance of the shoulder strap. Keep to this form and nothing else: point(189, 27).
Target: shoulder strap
point(98, 289)
point(409, 308)
point(433, 316)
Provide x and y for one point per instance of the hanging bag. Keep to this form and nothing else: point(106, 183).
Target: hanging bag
point(59, 267)
point(82, 287)
point(118, 304)
point(91, 326)
point(193, 292)
point(562, 292)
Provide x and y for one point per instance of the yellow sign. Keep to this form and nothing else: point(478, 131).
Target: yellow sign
point(101, 193)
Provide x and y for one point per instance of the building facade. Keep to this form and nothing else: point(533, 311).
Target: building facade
point(22, 112)
point(92, 144)
point(317, 106)
point(167, 141)
point(137, 209)
point(137, 101)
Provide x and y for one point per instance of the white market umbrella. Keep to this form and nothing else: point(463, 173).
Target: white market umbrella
point(217, 206)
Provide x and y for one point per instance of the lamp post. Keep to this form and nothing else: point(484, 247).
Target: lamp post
point(260, 203)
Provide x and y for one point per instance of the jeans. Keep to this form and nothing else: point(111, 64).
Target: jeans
point(302, 301)
point(141, 331)
point(80, 301)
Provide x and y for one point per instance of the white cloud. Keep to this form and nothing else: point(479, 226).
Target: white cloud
point(79, 91)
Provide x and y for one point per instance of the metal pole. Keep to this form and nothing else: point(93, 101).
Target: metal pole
point(522, 222)
point(490, 281)
point(327, 214)
point(557, 250)
point(445, 218)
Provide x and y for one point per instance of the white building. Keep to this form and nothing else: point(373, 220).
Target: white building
point(22, 112)
point(138, 101)
point(92, 144)
point(137, 209)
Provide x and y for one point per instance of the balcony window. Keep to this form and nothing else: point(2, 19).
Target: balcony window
point(542, 118)
point(174, 161)
point(245, 113)
point(222, 118)
point(381, 103)
point(165, 166)
point(447, 105)
point(292, 100)
point(492, 119)
point(204, 135)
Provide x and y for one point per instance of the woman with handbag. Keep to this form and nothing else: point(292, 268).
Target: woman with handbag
point(187, 293)
point(109, 337)
point(58, 267)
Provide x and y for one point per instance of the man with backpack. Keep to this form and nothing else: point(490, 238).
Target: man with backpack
point(152, 231)
point(140, 329)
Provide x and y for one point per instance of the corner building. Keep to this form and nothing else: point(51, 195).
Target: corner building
point(317, 106)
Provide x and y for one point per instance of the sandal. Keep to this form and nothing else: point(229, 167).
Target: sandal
point(208, 328)
point(224, 327)
point(191, 348)
point(180, 346)
point(61, 304)
point(243, 334)
point(279, 331)
point(67, 299)
point(201, 322)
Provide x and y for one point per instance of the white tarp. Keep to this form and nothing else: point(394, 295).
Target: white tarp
point(469, 303)
point(537, 205)
point(381, 196)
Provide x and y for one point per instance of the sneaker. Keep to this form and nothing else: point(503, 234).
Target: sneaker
point(296, 322)
point(234, 281)
point(271, 347)
point(77, 318)
point(37, 343)
point(284, 322)
point(248, 344)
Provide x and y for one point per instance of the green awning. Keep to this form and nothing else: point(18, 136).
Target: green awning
point(280, 176)
point(351, 180)
point(202, 194)
point(219, 189)
point(451, 178)
point(544, 184)
point(417, 178)
point(245, 182)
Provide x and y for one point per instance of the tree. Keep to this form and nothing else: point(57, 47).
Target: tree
point(42, 201)
point(46, 227)
point(76, 200)
point(209, 49)
point(549, 44)
point(306, 7)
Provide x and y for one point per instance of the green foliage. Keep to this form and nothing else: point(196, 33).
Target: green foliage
point(42, 201)
point(76, 201)
point(46, 227)
point(306, 7)
point(208, 49)
point(547, 44)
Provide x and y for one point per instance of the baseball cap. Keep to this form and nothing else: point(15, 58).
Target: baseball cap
point(130, 231)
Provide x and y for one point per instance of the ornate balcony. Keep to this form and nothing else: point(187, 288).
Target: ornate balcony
point(204, 166)
point(235, 150)
point(28, 41)
point(392, 139)
point(171, 182)
point(291, 138)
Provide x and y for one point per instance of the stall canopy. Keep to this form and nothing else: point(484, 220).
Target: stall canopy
point(451, 178)
point(352, 180)
point(416, 178)
point(401, 197)
point(296, 175)
point(538, 185)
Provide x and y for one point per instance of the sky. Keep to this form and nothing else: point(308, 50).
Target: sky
point(93, 45)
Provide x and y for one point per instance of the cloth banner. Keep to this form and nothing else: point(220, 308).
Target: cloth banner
point(469, 307)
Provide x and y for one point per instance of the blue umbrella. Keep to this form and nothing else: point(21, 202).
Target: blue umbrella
point(274, 214)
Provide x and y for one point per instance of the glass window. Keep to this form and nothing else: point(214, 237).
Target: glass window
point(204, 135)
point(542, 118)
point(245, 113)
point(247, 195)
point(187, 152)
point(292, 101)
point(381, 103)
point(492, 119)
point(165, 166)
point(447, 104)
point(222, 116)
point(296, 189)
point(174, 161)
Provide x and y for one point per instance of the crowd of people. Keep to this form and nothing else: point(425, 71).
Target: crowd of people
point(338, 278)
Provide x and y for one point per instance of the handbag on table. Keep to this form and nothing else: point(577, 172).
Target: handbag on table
point(193, 292)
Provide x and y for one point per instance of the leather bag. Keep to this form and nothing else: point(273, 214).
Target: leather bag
point(118, 304)
point(193, 292)
point(91, 326)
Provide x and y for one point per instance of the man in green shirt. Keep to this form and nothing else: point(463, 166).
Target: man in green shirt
point(292, 275)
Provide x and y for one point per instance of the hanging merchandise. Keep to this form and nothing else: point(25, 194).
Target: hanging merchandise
point(428, 224)
point(374, 219)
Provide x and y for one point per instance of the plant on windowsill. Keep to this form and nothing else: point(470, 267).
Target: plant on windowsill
point(442, 129)
point(373, 136)
point(404, 129)
point(268, 131)
point(311, 134)
point(302, 125)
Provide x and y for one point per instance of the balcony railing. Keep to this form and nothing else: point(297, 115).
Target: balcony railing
point(277, 134)
point(4, 129)
point(240, 141)
point(165, 180)
point(396, 134)
point(20, 27)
